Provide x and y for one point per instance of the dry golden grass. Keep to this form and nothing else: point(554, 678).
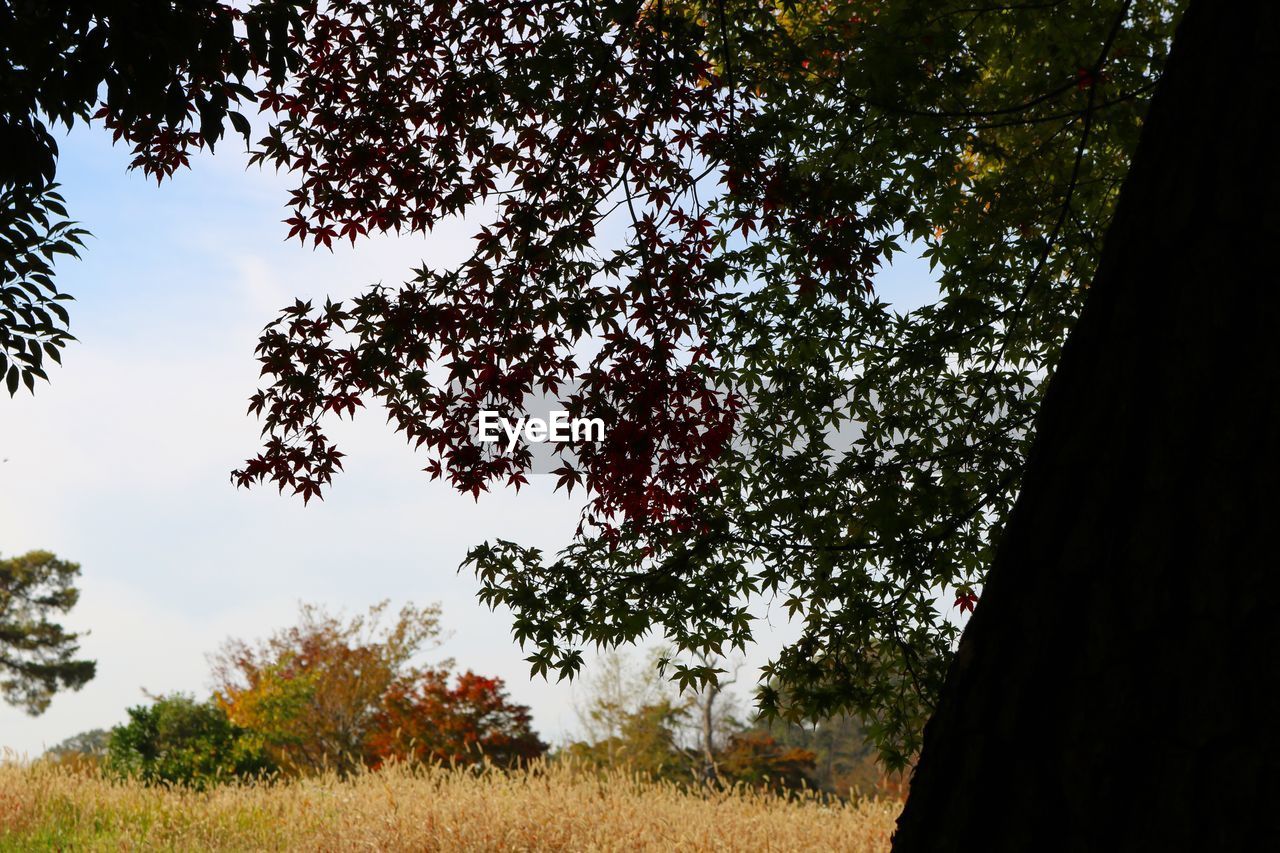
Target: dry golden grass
point(551, 808)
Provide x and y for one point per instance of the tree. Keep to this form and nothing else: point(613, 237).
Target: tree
point(171, 74)
point(1116, 658)
point(757, 760)
point(615, 692)
point(91, 743)
point(761, 162)
point(85, 752)
point(312, 693)
point(424, 719)
point(690, 740)
point(845, 759)
point(37, 656)
point(180, 741)
point(714, 717)
point(647, 742)
point(630, 718)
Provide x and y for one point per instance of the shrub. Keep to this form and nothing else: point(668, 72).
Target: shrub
point(178, 740)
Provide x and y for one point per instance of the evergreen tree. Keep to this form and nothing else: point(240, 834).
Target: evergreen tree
point(37, 655)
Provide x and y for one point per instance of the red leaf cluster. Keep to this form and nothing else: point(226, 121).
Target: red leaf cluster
point(568, 123)
point(428, 720)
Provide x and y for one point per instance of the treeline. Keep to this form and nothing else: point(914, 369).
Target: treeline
point(327, 695)
point(340, 695)
point(631, 717)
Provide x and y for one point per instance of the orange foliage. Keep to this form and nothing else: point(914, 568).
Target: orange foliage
point(424, 719)
point(756, 759)
point(311, 692)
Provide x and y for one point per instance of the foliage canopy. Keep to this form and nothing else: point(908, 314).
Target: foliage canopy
point(310, 693)
point(162, 75)
point(424, 718)
point(178, 740)
point(38, 656)
point(688, 204)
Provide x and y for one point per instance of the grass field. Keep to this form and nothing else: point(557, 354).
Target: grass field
point(48, 808)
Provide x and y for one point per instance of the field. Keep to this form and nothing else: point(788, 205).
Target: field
point(551, 808)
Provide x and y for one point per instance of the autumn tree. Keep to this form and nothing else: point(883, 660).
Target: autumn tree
point(755, 759)
point(629, 716)
point(37, 655)
point(424, 718)
point(165, 76)
point(686, 205)
point(312, 693)
point(614, 691)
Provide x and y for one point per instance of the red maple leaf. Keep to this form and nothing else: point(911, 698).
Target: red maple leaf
point(966, 600)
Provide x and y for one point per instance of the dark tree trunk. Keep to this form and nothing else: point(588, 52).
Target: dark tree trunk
point(1117, 687)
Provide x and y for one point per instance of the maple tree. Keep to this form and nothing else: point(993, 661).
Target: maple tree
point(687, 207)
point(426, 719)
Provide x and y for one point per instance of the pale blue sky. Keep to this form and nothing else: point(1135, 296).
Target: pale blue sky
point(121, 464)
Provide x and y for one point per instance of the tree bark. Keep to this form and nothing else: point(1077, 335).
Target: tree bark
point(1117, 686)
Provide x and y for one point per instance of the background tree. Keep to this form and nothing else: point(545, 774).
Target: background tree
point(311, 693)
point(38, 656)
point(616, 691)
point(647, 741)
point(845, 759)
point(761, 162)
point(91, 743)
point(179, 740)
point(756, 759)
point(631, 718)
point(713, 715)
point(85, 752)
point(425, 719)
point(162, 75)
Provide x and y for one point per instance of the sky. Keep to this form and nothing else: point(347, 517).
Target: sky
point(122, 462)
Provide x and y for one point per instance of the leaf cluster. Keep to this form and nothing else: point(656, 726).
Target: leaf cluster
point(163, 76)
